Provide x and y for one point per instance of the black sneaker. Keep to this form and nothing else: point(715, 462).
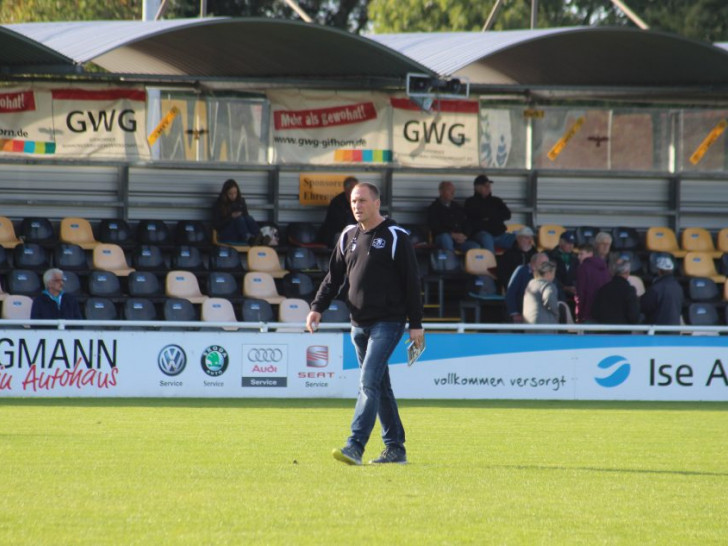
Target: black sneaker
point(349, 455)
point(391, 454)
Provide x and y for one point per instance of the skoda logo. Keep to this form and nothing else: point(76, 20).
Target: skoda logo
point(172, 360)
point(265, 355)
point(214, 360)
point(619, 370)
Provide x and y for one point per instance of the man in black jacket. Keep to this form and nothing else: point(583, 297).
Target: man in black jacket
point(53, 303)
point(487, 215)
point(379, 262)
point(338, 214)
point(663, 301)
point(448, 221)
point(616, 302)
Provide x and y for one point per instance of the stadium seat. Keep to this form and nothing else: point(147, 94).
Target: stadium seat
point(218, 310)
point(303, 234)
point(444, 262)
point(70, 256)
point(700, 264)
point(265, 259)
point(184, 284)
point(260, 285)
point(24, 282)
point(702, 314)
point(548, 236)
point(418, 236)
point(625, 238)
point(702, 289)
point(71, 283)
point(662, 239)
point(149, 258)
point(139, 309)
point(225, 258)
point(180, 310)
point(17, 307)
point(480, 261)
point(221, 284)
point(143, 284)
point(638, 284)
point(721, 240)
point(8, 239)
point(483, 287)
point(104, 284)
point(297, 284)
point(238, 247)
point(301, 259)
point(110, 257)
point(337, 312)
point(191, 232)
point(188, 258)
point(585, 235)
point(78, 231)
point(255, 310)
point(153, 232)
point(696, 239)
point(4, 259)
point(37, 230)
point(513, 228)
point(30, 256)
point(100, 309)
point(293, 310)
point(635, 262)
point(115, 231)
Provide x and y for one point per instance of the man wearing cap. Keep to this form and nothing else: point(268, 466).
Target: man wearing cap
point(519, 254)
point(566, 262)
point(487, 215)
point(663, 301)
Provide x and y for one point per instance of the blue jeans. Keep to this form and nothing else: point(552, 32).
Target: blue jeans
point(505, 240)
point(239, 230)
point(446, 242)
point(374, 345)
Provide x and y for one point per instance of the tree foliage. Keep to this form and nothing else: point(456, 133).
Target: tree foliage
point(27, 11)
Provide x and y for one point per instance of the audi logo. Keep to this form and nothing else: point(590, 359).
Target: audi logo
point(172, 360)
point(265, 355)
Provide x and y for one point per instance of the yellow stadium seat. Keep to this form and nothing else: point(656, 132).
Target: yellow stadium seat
point(260, 285)
point(219, 310)
point(480, 261)
point(662, 239)
point(293, 310)
point(8, 239)
point(265, 258)
point(184, 285)
point(110, 257)
point(78, 231)
point(17, 307)
point(216, 242)
point(700, 264)
point(512, 228)
point(696, 239)
point(548, 236)
point(722, 240)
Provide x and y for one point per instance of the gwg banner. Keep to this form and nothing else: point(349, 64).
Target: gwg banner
point(329, 127)
point(447, 136)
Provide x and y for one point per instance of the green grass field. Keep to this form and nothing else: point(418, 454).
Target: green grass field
point(261, 472)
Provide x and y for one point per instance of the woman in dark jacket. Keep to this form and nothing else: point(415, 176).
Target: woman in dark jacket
point(230, 216)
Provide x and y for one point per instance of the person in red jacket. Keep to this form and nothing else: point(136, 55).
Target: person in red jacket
point(591, 275)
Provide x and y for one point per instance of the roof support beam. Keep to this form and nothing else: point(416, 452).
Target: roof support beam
point(630, 14)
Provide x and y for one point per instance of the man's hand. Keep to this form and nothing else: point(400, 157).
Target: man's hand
point(312, 321)
point(417, 336)
point(459, 238)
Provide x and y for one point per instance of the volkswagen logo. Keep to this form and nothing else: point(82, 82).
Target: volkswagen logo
point(265, 355)
point(172, 360)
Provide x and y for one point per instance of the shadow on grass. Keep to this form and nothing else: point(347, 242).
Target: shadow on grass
point(612, 470)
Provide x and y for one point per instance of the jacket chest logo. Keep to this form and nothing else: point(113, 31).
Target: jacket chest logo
point(379, 243)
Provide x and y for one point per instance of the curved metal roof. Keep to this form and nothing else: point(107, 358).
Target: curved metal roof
point(592, 56)
point(17, 51)
point(220, 48)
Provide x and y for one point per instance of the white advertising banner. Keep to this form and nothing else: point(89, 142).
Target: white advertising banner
point(100, 122)
point(223, 364)
point(329, 127)
point(445, 136)
point(26, 122)
point(496, 138)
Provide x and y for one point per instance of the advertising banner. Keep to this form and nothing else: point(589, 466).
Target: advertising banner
point(496, 138)
point(319, 188)
point(327, 127)
point(444, 136)
point(26, 122)
point(100, 122)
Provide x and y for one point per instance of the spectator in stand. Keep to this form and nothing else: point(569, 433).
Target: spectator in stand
point(231, 219)
point(53, 303)
point(566, 263)
point(448, 222)
point(517, 286)
point(487, 215)
point(591, 275)
point(616, 302)
point(338, 214)
point(540, 301)
point(602, 247)
point(663, 301)
point(519, 254)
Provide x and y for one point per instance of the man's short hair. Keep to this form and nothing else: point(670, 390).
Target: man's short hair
point(602, 236)
point(443, 184)
point(481, 179)
point(537, 257)
point(372, 188)
point(545, 267)
point(622, 266)
point(49, 274)
point(587, 247)
point(350, 182)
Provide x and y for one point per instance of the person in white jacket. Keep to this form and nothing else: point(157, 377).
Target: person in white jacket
point(540, 301)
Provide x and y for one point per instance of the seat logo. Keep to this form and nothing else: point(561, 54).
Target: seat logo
point(172, 360)
point(265, 355)
point(620, 370)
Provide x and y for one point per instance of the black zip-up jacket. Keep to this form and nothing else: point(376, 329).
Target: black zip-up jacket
point(383, 279)
point(487, 214)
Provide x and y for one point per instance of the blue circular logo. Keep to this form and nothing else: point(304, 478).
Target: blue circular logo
point(172, 360)
point(619, 368)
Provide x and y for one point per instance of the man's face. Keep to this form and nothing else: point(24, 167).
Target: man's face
point(525, 242)
point(566, 246)
point(55, 284)
point(584, 254)
point(447, 193)
point(483, 190)
point(363, 204)
point(602, 247)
